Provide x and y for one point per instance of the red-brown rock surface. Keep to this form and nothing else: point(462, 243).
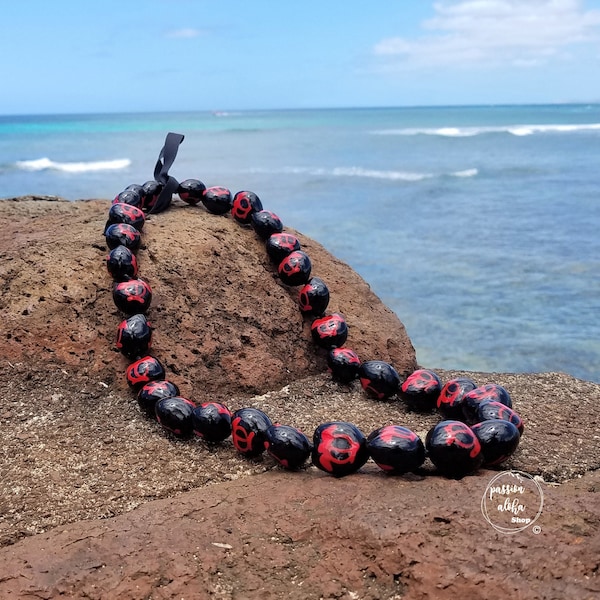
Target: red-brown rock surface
point(97, 502)
point(224, 324)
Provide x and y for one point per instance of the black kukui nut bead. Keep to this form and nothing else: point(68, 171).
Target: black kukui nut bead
point(134, 336)
point(295, 268)
point(248, 429)
point(339, 448)
point(125, 213)
point(472, 400)
point(136, 187)
point(288, 446)
point(314, 297)
point(175, 415)
point(450, 399)
point(212, 421)
point(132, 197)
point(492, 409)
point(330, 331)
point(217, 200)
point(122, 263)
point(396, 450)
point(121, 234)
point(420, 390)
point(498, 438)
point(152, 190)
point(492, 391)
point(453, 448)
point(132, 296)
point(265, 223)
point(379, 379)
point(154, 391)
point(144, 370)
point(243, 205)
point(343, 364)
point(280, 245)
point(139, 190)
point(191, 191)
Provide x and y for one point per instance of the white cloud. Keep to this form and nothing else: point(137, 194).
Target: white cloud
point(185, 33)
point(521, 33)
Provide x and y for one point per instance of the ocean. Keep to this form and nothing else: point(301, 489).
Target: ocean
point(478, 226)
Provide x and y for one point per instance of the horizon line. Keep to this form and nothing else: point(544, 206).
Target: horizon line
point(223, 111)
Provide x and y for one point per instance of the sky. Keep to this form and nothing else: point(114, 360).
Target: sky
point(85, 56)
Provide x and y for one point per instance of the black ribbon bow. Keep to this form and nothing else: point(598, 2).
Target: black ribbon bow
point(161, 172)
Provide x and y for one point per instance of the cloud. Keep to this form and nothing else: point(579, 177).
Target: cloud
point(521, 33)
point(184, 33)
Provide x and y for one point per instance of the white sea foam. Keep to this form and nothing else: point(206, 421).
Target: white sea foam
point(366, 173)
point(517, 130)
point(377, 174)
point(521, 131)
point(42, 164)
point(465, 173)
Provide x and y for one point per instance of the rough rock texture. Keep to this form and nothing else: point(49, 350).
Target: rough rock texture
point(97, 502)
point(310, 536)
point(224, 324)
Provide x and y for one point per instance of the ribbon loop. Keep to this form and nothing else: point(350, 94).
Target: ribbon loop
point(165, 161)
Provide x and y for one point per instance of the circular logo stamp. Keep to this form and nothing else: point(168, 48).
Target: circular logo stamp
point(512, 502)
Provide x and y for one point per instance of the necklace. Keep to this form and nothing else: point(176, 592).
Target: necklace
point(479, 425)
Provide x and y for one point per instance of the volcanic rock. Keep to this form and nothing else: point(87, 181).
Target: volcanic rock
point(96, 501)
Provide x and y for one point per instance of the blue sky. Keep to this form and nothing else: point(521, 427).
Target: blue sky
point(145, 55)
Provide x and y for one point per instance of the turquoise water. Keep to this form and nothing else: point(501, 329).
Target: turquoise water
point(478, 226)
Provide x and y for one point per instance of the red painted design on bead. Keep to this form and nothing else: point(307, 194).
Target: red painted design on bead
point(328, 326)
point(242, 439)
point(132, 212)
point(287, 242)
point(242, 207)
point(152, 386)
point(366, 385)
point(450, 393)
point(176, 431)
point(456, 432)
point(326, 448)
point(349, 354)
point(305, 301)
point(217, 190)
point(134, 264)
point(478, 393)
point(122, 327)
point(135, 291)
point(385, 467)
point(504, 412)
point(133, 374)
point(139, 291)
point(128, 232)
point(220, 408)
point(290, 265)
point(391, 432)
point(422, 379)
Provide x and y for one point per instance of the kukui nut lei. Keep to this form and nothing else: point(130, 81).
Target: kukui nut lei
point(480, 426)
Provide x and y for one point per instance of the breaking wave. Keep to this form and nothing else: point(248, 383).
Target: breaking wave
point(517, 130)
point(366, 173)
point(43, 164)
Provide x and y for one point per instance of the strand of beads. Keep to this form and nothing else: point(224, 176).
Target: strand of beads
point(479, 425)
